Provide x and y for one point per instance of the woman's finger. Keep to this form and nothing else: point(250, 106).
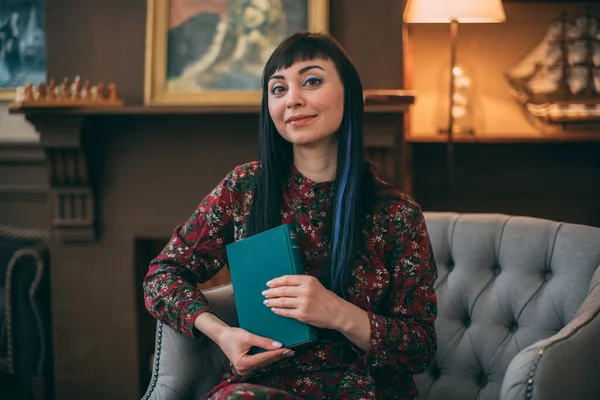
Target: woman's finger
point(254, 361)
point(287, 280)
point(282, 291)
point(288, 312)
point(282, 302)
point(286, 353)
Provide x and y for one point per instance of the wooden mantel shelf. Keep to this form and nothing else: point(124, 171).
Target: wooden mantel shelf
point(376, 101)
point(572, 137)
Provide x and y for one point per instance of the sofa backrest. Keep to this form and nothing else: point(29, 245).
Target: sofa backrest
point(504, 283)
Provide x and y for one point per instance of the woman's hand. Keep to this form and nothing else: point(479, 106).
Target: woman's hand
point(304, 298)
point(236, 343)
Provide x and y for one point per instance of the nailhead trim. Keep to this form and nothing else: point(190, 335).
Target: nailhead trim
point(156, 362)
point(39, 272)
point(531, 380)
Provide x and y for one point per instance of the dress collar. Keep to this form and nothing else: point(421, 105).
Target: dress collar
point(304, 183)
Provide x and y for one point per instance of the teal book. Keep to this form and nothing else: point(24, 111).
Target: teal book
point(253, 262)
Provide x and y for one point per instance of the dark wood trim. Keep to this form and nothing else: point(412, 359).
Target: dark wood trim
point(24, 193)
point(72, 202)
point(21, 152)
point(376, 101)
point(583, 137)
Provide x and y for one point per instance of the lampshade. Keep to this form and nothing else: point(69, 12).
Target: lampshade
point(444, 11)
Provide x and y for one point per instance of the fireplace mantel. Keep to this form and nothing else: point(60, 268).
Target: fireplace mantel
point(376, 101)
point(73, 203)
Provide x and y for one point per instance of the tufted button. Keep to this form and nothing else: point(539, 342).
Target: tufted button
point(548, 275)
point(315, 255)
point(496, 270)
point(513, 327)
point(450, 265)
point(483, 380)
point(467, 321)
point(435, 372)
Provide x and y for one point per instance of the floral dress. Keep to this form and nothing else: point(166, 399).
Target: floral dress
point(392, 280)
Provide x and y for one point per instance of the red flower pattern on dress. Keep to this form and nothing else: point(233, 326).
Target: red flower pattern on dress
point(392, 280)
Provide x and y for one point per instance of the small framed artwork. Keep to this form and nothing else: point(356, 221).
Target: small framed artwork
point(22, 45)
point(212, 52)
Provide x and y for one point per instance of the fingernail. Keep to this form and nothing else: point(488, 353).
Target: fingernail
point(288, 353)
point(264, 292)
point(277, 345)
point(269, 283)
point(266, 302)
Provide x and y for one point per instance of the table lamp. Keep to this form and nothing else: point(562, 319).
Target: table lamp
point(453, 12)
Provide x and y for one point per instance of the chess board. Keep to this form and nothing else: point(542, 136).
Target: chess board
point(67, 94)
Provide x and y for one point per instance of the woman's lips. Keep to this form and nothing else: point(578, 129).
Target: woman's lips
point(300, 121)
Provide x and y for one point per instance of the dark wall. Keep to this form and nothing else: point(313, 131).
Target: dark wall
point(23, 185)
point(104, 41)
point(558, 181)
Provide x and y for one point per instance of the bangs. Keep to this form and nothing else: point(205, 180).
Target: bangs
point(302, 46)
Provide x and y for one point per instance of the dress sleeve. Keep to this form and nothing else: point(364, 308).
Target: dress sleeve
point(404, 337)
point(195, 253)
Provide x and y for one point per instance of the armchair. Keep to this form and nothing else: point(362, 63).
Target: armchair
point(518, 300)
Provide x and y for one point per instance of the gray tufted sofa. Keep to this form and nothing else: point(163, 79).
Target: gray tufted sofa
point(518, 298)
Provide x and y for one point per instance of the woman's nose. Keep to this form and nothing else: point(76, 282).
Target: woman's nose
point(295, 98)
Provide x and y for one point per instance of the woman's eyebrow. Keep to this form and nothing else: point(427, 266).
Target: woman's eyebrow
point(309, 67)
point(300, 72)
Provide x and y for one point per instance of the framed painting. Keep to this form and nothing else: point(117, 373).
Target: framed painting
point(212, 52)
point(22, 45)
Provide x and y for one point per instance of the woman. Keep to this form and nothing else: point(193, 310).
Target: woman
point(369, 266)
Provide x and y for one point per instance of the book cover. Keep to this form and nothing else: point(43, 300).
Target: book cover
point(253, 262)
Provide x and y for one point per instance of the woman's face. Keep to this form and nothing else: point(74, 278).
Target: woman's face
point(306, 102)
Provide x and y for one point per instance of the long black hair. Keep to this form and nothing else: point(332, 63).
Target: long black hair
point(352, 183)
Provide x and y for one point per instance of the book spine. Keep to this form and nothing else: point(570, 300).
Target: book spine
point(295, 251)
point(298, 269)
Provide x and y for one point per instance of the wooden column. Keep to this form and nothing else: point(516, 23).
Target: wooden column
point(71, 195)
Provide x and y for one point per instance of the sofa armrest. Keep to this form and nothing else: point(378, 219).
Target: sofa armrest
point(27, 312)
point(186, 367)
point(564, 366)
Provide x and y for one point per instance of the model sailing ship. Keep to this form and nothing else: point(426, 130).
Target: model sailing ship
point(559, 81)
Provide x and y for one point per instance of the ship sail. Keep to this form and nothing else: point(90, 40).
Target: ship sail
point(559, 80)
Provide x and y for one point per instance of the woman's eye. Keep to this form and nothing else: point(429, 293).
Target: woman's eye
point(277, 89)
point(313, 81)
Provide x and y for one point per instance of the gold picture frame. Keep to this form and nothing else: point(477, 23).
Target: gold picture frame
point(185, 89)
point(7, 95)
